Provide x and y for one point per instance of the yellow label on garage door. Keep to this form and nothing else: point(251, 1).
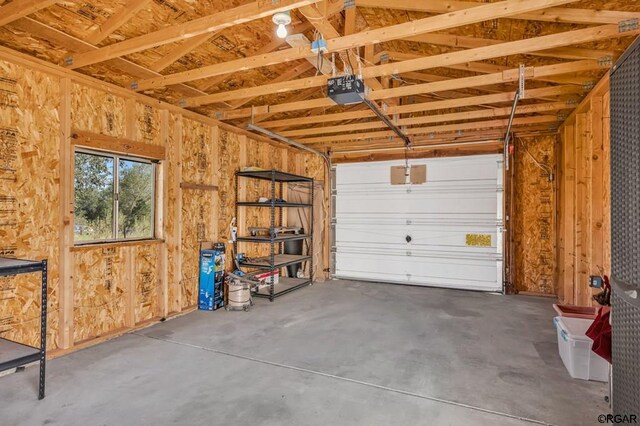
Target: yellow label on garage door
point(478, 240)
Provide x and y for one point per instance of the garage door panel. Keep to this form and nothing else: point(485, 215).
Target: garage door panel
point(423, 237)
point(442, 271)
point(454, 221)
point(470, 169)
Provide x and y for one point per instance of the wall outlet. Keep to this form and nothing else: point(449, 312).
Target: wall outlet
point(595, 281)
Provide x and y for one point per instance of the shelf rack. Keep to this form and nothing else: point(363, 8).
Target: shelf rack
point(276, 259)
point(13, 354)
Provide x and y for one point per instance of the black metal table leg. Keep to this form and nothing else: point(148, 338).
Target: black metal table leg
point(43, 332)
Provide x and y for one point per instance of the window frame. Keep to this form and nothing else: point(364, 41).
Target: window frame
point(116, 157)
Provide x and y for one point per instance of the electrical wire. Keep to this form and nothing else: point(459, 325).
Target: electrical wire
point(544, 167)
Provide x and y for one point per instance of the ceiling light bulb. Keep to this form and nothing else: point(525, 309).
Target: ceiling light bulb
point(281, 31)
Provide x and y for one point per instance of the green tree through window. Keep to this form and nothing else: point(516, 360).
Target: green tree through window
point(114, 198)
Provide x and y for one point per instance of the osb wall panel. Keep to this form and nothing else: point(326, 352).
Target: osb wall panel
point(229, 162)
point(584, 214)
point(534, 222)
point(96, 111)
point(147, 281)
point(197, 218)
point(29, 201)
point(114, 287)
point(172, 215)
point(148, 124)
point(99, 292)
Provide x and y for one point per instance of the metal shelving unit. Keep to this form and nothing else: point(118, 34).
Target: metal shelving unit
point(13, 354)
point(277, 259)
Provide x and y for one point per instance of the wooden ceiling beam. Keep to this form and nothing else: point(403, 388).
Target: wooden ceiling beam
point(485, 68)
point(288, 75)
point(181, 50)
point(21, 8)
point(301, 97)
point(208, 24)
point(438, 86)
point(275, 44)
point(467, 42)
point(468, 82)
point(429, 62)
point(488, 79)
point(115, 21)
point(71, 43)
point(434, 129)
point(555, 14)
point(481, 13)
point(475, 136)
point(328, 31)
point(431, 119)
point(448, 150)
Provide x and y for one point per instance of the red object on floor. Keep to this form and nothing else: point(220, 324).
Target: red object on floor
point(600, 333)
point(584, 312)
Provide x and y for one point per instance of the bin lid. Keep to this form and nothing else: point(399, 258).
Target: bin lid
point(574, 327)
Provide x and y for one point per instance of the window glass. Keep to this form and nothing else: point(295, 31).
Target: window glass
point(114, 198)
point(135, 199)
point(94, 199)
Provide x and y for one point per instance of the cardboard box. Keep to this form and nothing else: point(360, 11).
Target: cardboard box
point(398, 175)
point(211, 280)
point(418, 174)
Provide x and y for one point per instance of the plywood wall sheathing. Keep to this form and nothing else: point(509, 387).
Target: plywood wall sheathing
point(29, 199)
point(114, 287)
point(534, 222)
point(97, 111)
point(229, 163)
point(100, 292)
point(173, 212)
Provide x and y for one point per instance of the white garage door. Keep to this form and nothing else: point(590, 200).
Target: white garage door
point(446, 232)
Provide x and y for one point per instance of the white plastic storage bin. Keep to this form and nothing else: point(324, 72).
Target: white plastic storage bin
point(575, 350)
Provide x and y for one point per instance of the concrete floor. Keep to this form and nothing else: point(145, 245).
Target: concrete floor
point(335, 353)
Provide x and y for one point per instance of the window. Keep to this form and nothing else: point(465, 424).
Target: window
point(114, 198)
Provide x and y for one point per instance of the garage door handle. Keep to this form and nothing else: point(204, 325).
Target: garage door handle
point(408, 238)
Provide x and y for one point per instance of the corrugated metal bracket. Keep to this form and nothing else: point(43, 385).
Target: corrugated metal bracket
point(562, 116)
point(521, 79)
point(589, 85)
point(572, 102)
point(219, 115)
point(349, 4)
point(384, 57)
point(605, 61)
point(134, 85)
point(628, 25)
point(183, 103)
point(68, 60)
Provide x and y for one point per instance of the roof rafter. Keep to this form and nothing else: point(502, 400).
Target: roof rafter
point(447, 59)
point(466, 42)
point(486, 68)
point(555, 14)
point(184, 31)
point(116, 21)
point(431, 119)
point(71, 43)
point(480, 13)
point(20, 8)
point(461, 83)
point(433, 129)
point(426, 106)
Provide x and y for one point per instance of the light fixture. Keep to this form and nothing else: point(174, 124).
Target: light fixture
point(282, 19)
